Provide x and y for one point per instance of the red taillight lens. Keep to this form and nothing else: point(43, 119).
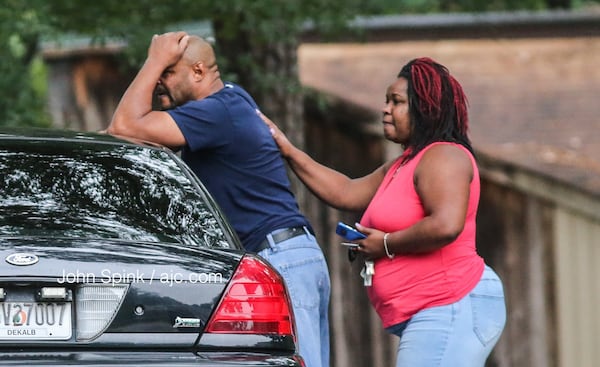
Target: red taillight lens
point(255, 302)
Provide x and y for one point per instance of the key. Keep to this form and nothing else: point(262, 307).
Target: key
point(367, 273)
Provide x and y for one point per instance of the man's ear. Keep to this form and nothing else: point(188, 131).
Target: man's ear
point(199, 70)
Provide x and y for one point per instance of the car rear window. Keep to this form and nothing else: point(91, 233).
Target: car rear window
point(118, 192)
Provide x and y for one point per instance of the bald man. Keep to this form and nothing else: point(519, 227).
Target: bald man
point(225, 142)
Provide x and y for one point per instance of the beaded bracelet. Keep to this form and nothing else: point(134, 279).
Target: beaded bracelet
point(387, 252)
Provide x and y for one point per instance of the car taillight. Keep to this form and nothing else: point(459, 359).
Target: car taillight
point(255, 302)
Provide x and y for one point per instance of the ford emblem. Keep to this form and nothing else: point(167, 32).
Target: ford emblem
point(22, 259)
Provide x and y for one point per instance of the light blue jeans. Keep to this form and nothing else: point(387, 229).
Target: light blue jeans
point(302, 265)
point(460, 334)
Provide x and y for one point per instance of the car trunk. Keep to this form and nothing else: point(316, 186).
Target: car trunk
point(137, 288)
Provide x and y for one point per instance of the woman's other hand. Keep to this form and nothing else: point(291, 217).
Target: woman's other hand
point(372, 246)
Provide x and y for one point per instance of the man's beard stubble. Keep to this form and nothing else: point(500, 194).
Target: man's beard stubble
point(161, 99)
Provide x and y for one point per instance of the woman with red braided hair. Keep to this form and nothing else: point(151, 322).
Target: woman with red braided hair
point(429, 287)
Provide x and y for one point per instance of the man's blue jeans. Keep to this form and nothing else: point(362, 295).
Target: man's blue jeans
point(460, 334)
point(301, 263)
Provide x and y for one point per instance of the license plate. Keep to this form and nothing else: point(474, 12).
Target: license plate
point(35, 321)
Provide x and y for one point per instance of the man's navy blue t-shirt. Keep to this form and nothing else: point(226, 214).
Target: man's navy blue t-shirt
point(231, 150)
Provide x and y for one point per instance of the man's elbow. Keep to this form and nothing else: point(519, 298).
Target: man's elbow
point(110, 130)
point(116, 127)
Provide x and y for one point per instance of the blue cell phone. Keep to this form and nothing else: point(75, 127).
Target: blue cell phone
point(348, 232)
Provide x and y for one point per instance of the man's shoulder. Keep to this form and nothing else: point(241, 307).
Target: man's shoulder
point(231, 86)
point(208, 103)
point(238, 92)
point(209, 109)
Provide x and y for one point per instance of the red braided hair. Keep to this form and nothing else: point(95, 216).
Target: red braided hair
point(437, 105)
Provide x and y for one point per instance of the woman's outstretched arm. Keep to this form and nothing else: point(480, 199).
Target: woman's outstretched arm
point(329, 185)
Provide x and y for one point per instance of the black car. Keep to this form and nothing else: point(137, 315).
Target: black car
point(113, 253)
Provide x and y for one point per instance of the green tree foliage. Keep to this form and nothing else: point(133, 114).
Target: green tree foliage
point(22, 97)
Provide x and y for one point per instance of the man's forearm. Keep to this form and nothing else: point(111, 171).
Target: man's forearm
point(136, 101)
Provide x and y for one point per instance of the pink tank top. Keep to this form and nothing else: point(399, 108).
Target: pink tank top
point(407, 284)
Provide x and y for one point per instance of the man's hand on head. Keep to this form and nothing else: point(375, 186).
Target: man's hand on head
point(167, 48)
